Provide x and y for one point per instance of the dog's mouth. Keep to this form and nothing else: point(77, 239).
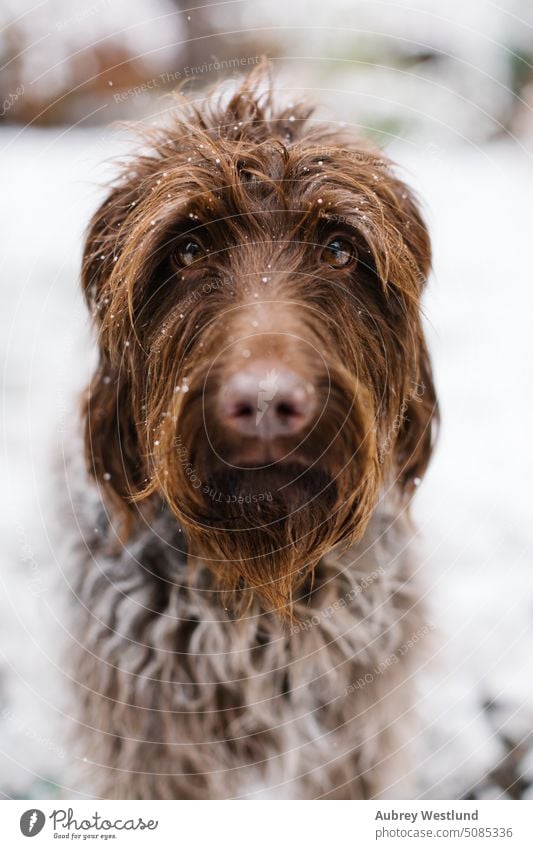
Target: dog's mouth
point(282, 488)
point(257, 455)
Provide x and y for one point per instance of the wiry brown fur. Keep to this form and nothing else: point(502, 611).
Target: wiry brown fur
point(199, 678)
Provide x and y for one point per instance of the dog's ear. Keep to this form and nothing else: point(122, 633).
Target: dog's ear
point(408, 236)
point(104, 241)
point(418, 429)
point(419, 414)
point(111, 443)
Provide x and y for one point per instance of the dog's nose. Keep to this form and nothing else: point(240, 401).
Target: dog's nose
point(266, 403)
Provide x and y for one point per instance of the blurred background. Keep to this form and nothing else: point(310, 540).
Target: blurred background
point(447, 87)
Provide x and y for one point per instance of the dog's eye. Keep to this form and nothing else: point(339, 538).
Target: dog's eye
point(188, 252)
point(339, 253)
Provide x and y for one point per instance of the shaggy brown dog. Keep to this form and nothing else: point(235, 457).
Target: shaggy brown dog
point(261, 412)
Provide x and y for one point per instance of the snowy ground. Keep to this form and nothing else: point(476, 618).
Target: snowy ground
point(473, 509)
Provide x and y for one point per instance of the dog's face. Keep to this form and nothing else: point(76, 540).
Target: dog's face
point(256, 282)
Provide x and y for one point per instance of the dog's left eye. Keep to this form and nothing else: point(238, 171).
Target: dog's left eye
point(339, 253)
point(188, 252)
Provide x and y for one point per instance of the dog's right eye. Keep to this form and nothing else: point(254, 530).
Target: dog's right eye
point(188, 252)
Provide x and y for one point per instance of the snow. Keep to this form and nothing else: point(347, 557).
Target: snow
point(473, 508)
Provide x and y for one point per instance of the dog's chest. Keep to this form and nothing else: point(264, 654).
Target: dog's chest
point(252, 703)
point(291, 701)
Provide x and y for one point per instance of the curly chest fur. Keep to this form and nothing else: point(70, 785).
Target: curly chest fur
point(180, 700)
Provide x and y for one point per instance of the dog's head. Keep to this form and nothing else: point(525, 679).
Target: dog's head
point(256, 278)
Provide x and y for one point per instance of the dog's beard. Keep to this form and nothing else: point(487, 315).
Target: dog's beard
point(263, 531)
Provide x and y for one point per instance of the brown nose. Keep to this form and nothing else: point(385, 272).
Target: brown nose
point(266, 403)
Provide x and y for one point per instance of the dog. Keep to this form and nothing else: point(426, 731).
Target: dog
point(249, 614)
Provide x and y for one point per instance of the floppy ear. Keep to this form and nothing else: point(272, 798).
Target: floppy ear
point(417, 434)
point(420, 416)
point(111, 442)
point(400, 244)
point(411, 260)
